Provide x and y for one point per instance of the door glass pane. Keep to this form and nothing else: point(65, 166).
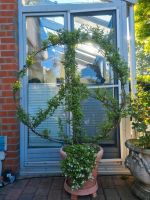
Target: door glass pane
point(92, 65)
point(45, 74)
point(36, 2)
point(96, 72)
point(47, 66)
point(95, 115)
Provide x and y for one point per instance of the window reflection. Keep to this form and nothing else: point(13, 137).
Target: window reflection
point(93, 67)
point(44, 76)
point(95, 113)
point(95, 71)
point(47, 67)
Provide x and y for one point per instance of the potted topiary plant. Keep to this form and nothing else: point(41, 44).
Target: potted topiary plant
point(138, 160)
point(81, 157)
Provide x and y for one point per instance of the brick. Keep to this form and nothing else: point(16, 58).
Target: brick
point(8, 1)
point(12, 161)
point(1, 100)
point(7, 33)
point(9, 107)
point(9, 54)
point(9, 120)
point(8, 27)
point(3, 114)
point(10, 13)
point(9, 127)
point(14, 168)
point(11, 113)
point(7, 94)
point(10, 133)
point(8, 40)
point(8, 60)
point(12, 154)
point(10, 6)
point(5, 87)
point(7, 74)
point(13, 147)
point(8, 47)
point(13, 140)
point(6, 20)
point(8, 80)
point(6, 100)
point(9, 66)
point(8, 69)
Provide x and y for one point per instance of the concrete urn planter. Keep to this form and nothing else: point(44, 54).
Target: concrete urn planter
point(138, 161)
point(90, 186)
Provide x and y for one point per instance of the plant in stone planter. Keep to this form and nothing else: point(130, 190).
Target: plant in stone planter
point(81, 156)
point(138, 160)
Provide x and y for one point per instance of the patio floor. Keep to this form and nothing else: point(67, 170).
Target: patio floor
point(51, 188)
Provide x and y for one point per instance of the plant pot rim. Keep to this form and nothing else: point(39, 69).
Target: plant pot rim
point(130, 143)
point(83, 144)
point(101, 151)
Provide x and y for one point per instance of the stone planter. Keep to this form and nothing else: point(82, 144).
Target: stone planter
point(90, 186)
point(138, 161)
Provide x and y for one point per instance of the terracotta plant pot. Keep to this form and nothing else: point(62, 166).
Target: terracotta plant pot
point(90, 186)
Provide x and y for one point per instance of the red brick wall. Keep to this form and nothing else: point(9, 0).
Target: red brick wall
point(8, 67)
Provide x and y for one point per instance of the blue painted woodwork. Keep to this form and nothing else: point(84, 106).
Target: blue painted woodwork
point(50, 24)
point(3, 143)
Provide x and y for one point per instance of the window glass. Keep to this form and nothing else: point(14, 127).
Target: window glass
point(93, 67)
point(95, 71)
point(36, 2)
point(95, 115)
point(44, 75)
point(47, 66)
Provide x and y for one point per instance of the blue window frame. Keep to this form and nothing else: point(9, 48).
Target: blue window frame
point(70, 11)
point(49, 2)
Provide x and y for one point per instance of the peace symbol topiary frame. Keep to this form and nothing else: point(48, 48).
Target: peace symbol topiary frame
point(71, 89)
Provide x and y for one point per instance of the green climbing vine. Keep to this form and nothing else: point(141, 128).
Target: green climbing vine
point(113, 107)
point(72, 91)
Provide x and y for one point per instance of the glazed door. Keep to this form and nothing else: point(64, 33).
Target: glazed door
point(39, 155)
point(44, 76)
point(96, 73)
point(42, 83)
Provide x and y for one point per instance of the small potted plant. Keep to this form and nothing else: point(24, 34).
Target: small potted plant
point(81, 156)
point(138, 160)
point(79, 165)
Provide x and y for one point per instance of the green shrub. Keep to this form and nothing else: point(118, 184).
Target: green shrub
point(79, 163)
